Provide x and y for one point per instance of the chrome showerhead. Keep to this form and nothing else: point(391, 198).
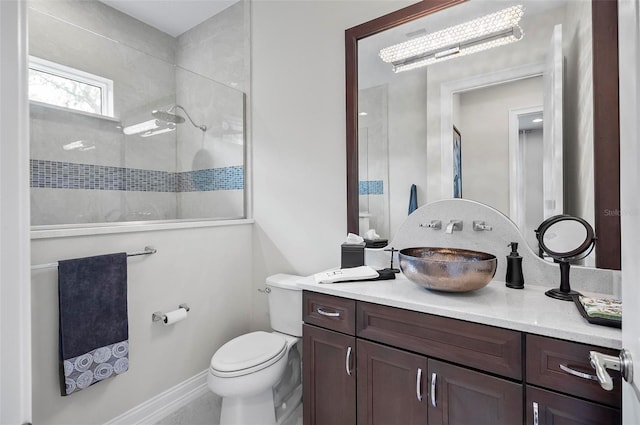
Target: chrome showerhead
point(168, 116)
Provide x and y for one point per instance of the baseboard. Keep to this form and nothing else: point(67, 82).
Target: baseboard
point(162, 405)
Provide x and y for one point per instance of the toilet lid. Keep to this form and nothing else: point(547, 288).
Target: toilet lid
point(248, 351)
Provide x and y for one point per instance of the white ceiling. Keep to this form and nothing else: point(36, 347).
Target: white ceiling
point(171, 16)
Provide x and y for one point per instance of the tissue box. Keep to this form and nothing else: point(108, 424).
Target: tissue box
point(352, 255)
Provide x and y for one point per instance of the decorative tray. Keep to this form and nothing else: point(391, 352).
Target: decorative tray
point(609, 307)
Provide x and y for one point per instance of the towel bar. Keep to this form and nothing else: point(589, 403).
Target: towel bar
point(148, 250)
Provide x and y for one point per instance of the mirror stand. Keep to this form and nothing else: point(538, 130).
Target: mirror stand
point(563, 293)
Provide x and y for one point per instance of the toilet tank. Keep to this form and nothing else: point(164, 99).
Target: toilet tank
point(285, 304)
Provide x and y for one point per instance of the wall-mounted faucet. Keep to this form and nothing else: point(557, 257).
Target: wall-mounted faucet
point(479, 226)
point(434, 224)
point(454, 225)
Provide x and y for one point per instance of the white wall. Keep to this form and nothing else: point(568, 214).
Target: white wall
point(299, 153)
point(208, 268)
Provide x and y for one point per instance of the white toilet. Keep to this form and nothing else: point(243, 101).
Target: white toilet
point(244, 370)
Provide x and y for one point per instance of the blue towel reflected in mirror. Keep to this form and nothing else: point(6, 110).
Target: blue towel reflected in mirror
point(413, 199)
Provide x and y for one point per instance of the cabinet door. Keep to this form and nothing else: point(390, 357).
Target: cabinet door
point(459, 396)
point(549, 408)
point(329, 384)
point(391, 386)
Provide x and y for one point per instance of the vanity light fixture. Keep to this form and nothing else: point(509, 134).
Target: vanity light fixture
point(485, 32)
point(537, 120)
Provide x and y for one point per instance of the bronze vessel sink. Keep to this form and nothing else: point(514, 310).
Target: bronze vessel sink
point(448, 269)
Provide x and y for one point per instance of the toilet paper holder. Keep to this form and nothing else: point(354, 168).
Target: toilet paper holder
point(158, 315)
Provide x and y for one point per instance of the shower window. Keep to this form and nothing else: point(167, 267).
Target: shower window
point(63, 86)
point(172, 146)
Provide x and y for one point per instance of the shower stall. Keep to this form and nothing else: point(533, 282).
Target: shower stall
point(129, 123)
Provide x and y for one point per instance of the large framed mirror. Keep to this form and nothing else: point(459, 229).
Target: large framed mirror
point(419, 121)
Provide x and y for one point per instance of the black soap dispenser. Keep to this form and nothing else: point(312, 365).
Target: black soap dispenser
point(514, 278)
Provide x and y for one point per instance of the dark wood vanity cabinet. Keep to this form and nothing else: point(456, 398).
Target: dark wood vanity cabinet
point(370, 364)
point(463, 396)
point(392, 385)
point(329, 368)
point(329, 388)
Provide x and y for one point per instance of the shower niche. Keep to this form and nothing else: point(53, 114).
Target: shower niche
point(172, 144)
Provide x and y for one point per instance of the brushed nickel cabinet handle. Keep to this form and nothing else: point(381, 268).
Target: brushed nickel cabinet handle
point(347, 361)
point(535, 413)
point(578, 374)
point(434, 377)
point(418, 385)
point(322, 312)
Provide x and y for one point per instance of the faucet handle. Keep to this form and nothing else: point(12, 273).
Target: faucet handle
point(454, 225)
point(434, 224)
point(479, 226)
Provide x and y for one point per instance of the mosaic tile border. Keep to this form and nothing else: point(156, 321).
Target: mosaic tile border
point(371, 187)
point(69, 175)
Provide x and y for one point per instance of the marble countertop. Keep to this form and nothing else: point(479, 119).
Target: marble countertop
point(527, 310)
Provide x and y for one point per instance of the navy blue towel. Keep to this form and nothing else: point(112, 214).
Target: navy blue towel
point(413, 199)
point(94, 329)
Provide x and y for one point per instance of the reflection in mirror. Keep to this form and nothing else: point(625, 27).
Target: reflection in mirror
point(416, 110)
point(566, 236)
point(526, 179)
point(550, 70)
point(373, 163)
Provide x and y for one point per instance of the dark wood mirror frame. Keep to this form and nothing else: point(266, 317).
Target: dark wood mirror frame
point(606, 126)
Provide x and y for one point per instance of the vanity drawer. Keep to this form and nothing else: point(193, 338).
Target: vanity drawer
point(328, 311)
point(483, 347)
point(550, 362)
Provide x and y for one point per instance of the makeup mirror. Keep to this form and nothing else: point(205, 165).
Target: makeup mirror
point(566, 239)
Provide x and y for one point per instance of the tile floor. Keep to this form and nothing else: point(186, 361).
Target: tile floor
point(206, 411)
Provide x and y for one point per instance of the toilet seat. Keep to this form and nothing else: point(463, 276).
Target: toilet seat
point(247, 354)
